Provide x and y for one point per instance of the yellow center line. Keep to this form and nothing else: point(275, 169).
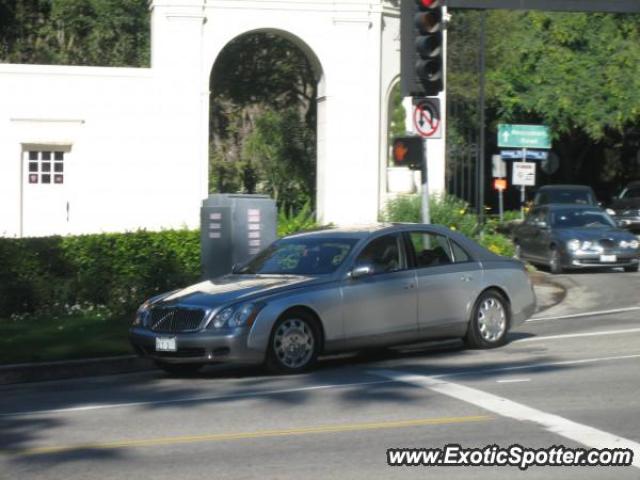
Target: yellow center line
point(218, 437)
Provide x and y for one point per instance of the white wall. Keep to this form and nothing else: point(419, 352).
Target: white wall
point(127, 168)
point(139, 137)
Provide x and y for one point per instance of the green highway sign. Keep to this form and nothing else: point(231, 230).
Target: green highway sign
point(524, 136)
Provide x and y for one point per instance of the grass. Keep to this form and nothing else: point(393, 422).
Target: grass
point(41, 338)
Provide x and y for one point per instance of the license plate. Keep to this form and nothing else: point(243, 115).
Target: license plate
point(166, 344)
point(608, 258)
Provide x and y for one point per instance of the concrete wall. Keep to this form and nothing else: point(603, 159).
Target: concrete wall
point(137, 139)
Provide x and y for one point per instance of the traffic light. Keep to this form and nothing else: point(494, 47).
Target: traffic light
point(408, 152)
point(421, 47)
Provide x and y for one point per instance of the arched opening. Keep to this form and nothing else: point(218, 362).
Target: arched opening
point(263, 114)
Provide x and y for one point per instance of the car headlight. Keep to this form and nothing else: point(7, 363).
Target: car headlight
point(629, 244)
point(611, 212)
point(237, 316)
point(573, 245)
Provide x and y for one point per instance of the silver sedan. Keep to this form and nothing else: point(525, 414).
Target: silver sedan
point(338, 290)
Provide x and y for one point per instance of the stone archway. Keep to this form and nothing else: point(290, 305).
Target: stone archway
point(356, 46)
point(264, 86)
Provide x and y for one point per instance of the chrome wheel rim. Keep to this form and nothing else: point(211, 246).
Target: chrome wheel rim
point(555, 260)
point(518, 252)
point(293, 343)
point(492, 319)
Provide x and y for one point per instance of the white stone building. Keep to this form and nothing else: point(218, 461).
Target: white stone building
point(93, 149)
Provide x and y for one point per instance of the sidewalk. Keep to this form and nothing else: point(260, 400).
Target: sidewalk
point(548, 293)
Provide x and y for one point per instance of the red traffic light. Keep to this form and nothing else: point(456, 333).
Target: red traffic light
point(428, 3)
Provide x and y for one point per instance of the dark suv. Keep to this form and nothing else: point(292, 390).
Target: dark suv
point(627, 207)
point(574, 194)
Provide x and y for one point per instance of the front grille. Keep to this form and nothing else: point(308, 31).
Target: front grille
point(607, 243)
point(181, 353)
point(175, 319)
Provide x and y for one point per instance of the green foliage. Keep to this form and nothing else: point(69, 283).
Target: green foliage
point(571, 70)
point(75, 32)
point(115, 270)
point(453, 213)
point(263, 118)
point(290, 222)
point(449, 211)
point(398, 113)
point(277, 152)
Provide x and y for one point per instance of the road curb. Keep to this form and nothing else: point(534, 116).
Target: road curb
point(549, 293)
point(39, 372)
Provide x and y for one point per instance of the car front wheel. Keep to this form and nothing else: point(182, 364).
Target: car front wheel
point(632, 268)
point(489, 322)
point(555, 265)
point(294, 343)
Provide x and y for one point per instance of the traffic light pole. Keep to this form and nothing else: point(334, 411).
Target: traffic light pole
point(426, 214)
point(481, 156)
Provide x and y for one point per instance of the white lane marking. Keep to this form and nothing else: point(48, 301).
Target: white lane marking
point(536, 366)
point(513, 380)
point(88, 408)
point(585, 314)
point(577, 335)
point(584, 434)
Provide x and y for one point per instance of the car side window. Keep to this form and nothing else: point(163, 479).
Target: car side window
point(633, 192)
point(430, 249)
point(382, 254)
point(459, 255)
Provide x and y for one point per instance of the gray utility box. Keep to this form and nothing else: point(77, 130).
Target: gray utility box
point(233, 228)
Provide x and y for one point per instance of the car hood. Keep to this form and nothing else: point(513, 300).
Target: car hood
point(625, 204)
point(234, 288)
point(593, 233)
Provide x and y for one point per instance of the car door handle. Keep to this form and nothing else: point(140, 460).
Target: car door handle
point(409, 286)
point(466, 278)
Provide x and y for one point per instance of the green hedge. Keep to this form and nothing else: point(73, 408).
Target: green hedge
point(116, 270)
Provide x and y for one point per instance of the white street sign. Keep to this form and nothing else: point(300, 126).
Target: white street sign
point(524, 173)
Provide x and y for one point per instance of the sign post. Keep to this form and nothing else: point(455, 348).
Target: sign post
point(524, 137)
point(500, 184)
point(426, 121)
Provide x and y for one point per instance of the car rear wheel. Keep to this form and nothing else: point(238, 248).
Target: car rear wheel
point(632, 268)
point(294, 343)
point(180, 368)
point(555, 265)
point(489, 322)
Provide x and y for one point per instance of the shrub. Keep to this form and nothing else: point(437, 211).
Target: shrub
point(290, 222)
point(117, 270)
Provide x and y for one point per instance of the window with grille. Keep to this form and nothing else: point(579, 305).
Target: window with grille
point(46, 166)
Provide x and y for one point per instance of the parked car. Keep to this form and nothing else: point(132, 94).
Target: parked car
point(626, 207)
point(338, 290)
point(573, 194)
point(575, 236)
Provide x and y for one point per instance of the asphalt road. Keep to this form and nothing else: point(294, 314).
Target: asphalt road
point(570, 377)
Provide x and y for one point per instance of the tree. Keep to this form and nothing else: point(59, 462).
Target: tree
point(262, 119)
point(75, 32)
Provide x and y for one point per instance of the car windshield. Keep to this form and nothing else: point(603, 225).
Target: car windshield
point(300, 256)
point(566, 196)
point(580, 218)
point(631, 192)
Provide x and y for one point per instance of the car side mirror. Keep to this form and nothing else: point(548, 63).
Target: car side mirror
point(361, 271)
point(235, 268)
